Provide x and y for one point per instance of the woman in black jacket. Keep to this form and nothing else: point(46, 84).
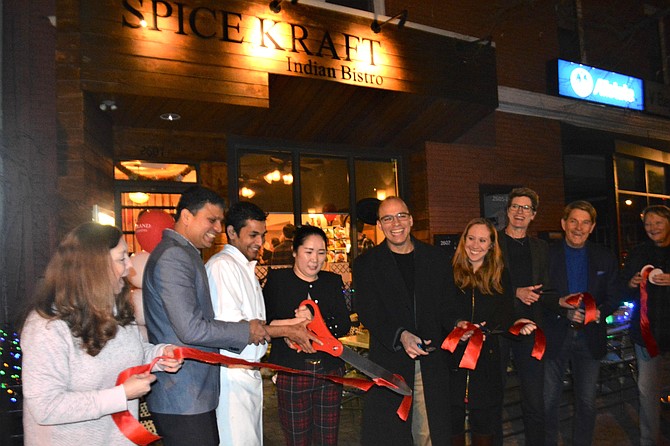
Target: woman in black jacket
point(481, 295)
point(309, 408)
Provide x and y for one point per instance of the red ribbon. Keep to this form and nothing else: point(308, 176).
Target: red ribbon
point(540, 340)
point(589, 305)
point(138, 434)
point(473, 349)
point(645, 327)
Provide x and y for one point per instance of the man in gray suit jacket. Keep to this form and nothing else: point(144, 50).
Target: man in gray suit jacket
point(178, 310)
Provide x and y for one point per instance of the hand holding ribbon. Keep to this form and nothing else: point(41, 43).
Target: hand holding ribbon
point(540, 340)
point(475, 341)
point(645, 326)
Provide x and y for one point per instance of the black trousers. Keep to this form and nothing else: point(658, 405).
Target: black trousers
point(187, 430)
point(531, 379)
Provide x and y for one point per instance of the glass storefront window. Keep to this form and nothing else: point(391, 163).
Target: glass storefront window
point(267, 180)
point(656, 183)
point(374, 179)
point(131, 210)
point(324, 183)
point(630, 174)
point(630, 223)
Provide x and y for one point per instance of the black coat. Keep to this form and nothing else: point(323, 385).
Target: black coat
point(539, 266)
point(386, 308)
point(603, 285)
point(485, 388)
point(283, 293)
point(658, 302)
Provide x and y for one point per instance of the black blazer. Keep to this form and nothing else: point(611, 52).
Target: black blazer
point(602, 285)
point(283, 293)
point(539, 252)
point(386, 308)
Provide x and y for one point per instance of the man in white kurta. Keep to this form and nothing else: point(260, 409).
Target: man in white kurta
point(236, 296)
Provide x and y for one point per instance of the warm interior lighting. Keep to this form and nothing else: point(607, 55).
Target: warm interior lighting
point(376, 27)
point(170, 116)
point(381, 195)
point(138, 197)
point(247, 193)
point(287, 178)
point(273, 176)
point(628, 202)
point(143, 23)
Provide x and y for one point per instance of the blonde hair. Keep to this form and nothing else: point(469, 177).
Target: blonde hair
point(488, 278)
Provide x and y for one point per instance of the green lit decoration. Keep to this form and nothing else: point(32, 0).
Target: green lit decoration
point(10, 369)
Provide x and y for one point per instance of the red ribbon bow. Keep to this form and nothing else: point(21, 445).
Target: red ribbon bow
point(645, 327)
point(540, 340)
point(139, 435)
point(589, 305)
point(473, 349)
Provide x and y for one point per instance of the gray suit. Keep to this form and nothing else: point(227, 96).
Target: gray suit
point(178, 310)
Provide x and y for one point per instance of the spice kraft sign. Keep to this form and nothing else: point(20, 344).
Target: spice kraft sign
point(355, 56)
point(225, 51)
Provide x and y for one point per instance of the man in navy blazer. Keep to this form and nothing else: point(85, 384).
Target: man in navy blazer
point(577, 266)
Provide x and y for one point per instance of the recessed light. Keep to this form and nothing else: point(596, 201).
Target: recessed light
point(170, 116)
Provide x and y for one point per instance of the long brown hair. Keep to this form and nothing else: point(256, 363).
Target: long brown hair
point(78, 288)
point(488, 277)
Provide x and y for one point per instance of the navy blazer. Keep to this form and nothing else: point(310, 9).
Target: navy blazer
point(385, 307)
point(178, 310)
point(602, 285)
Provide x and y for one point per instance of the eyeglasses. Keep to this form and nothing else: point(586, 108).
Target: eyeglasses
point(526, 208)
point(400, 216)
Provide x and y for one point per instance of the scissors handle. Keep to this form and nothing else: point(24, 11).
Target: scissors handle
point(331, 344)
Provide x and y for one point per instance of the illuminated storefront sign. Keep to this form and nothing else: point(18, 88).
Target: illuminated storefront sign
point(305, 50)
point(596, 85)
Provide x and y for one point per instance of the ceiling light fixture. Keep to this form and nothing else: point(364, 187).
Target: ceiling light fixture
point(108, 104)
point(138, 197)
point(170, 116)
point(247, 192)
point(376, 27)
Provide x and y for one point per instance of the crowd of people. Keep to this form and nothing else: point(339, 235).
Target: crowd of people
point(498, 291)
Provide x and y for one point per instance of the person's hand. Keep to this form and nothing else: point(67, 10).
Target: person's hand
point(303, 313)
point(529, 294)
point(563, 301)
point(300, 335)
point(528, 328)
point(635, 281)
point(170, 365)
point(468, 334)
point(662, 279)
point(577, 316)
point(138, 385)
point(411, 343)
point(257, 332)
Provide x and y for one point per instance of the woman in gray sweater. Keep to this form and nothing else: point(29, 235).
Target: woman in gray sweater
point(79, 334)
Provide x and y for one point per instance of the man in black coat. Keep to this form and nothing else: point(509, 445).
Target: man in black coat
point(400, 295)
point(577, 266)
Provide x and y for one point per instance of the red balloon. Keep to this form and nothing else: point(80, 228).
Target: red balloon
point(149, 228)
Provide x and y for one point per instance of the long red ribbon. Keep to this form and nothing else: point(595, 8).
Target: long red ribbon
point(138, 434)
point(473, 349)
point(540, 344)
point(589, 305)
point(645, 327)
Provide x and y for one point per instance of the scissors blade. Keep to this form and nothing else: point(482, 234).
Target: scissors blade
point(374, 371)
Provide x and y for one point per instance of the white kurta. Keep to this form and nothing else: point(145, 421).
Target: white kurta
point(236, 296)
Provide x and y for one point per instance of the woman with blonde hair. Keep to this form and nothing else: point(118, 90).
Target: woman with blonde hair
point(78, 335)
point(481, 295)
